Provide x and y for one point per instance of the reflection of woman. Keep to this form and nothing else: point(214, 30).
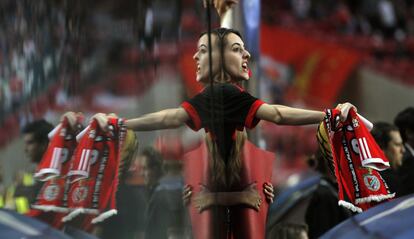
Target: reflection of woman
point(234, 107)
point(224, 111)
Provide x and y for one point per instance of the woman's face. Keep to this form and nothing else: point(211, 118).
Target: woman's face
point(235, 57)
point(395, 149)
point(201, 58)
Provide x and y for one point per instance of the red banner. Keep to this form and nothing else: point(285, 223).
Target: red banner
point(320, 68)
point(247, 223)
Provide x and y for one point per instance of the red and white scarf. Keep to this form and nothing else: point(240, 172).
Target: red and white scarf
point(356, 158)
point(93, 176)
point(49, 205)
point(53, 168)
point(60, 149)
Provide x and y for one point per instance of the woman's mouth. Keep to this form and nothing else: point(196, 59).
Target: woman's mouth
point(245, 67)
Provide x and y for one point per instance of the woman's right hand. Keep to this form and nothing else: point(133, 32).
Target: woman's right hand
point(102, 119)
point(221, 5)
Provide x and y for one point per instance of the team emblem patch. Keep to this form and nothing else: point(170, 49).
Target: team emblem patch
point(51, 192)
point(372, 182)
point(355, 123)
point(79, 194)
point(92, 134)
point(63, 132)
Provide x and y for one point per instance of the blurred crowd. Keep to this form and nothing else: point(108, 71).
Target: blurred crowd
point(32, 41)
point(382, 30)
point(379, 18)
point(52, 53)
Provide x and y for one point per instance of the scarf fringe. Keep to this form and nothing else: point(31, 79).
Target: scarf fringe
point(50, 208)
point(375, 163)
point(77, 212)
point(350, 206)
point(47, 174)
point(77, 175)
point(104, 216)
point(377, 198)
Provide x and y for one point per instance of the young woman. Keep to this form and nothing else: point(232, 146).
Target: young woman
point(233, 106)
point(224, 110)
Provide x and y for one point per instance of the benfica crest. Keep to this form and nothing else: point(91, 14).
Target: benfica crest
point(79, 194)
point(372, 182)
point(51, 192)
point(355, 123)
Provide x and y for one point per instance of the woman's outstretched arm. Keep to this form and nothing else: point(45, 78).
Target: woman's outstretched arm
point(164, 119)
point(284, 115)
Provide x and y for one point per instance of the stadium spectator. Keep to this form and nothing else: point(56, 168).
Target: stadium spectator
point(133, 197)
point(166, 215)
point(389, 139)
point(289, 231)
point(23, 192)
point(405, 123)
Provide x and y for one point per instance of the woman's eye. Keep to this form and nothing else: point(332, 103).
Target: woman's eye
point(238, 49)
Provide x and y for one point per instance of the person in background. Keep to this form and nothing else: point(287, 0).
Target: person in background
point(133, 197)
point(289, 231)
point(166, 215)
point(389, 139)
point(405, 123)
point(23, 192)
point(323, 211)
point(151, 168)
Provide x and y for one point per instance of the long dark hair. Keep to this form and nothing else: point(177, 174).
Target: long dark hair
point(222, 174)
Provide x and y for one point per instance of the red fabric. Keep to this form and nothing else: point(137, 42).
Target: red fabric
point(60, 149)
point(360, 187)
point(318, 65)
point(49, 205)
point(370, 153)
point(251, 120)
point(94, 172)
point(170, 147)
point(246, 222)
point(193, 115)
point(239, 87)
